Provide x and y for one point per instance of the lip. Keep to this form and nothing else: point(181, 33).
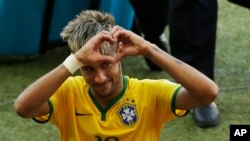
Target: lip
point(100, 87)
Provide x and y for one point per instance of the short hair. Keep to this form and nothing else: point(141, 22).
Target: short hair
point(84, 26)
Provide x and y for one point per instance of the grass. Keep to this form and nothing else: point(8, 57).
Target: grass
point(232, 73)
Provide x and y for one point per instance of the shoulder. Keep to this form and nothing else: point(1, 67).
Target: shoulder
point(71, 86)
point(75, 81)
point(151, 87)
point(149, 82)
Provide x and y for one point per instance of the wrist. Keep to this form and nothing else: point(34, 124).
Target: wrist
point(148, 48)
point(72, 64)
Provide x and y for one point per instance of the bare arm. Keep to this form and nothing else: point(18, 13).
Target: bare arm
point(32, 101)
point(198, 90)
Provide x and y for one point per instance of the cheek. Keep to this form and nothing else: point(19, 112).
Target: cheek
point(87, 77)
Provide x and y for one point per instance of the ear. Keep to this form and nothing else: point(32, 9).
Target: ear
point(120, 52)
point(120, 49)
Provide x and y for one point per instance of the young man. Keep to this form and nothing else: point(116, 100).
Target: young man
point(103, 104)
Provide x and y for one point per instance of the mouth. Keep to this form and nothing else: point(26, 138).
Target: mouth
point(101, 86)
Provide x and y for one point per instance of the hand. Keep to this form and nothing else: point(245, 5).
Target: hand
point(90, 52)
point(131, 44)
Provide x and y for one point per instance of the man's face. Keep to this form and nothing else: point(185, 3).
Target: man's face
point(104, 77)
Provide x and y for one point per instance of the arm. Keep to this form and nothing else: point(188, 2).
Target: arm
point(33, 101)
point(198, 90)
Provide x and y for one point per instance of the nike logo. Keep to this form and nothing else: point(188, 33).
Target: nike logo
point(80, 114)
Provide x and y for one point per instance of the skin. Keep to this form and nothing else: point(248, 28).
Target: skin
point(104, 75)
point(104, 78)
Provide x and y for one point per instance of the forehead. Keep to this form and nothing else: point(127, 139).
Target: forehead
point(96, 62)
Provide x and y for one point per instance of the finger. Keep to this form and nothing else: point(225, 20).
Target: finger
point(114, 31)
point(116, 28)
point(102, 37)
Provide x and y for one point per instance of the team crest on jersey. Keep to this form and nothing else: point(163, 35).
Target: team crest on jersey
point(128, 114)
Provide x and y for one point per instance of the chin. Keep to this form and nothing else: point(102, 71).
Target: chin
point(103, 92)
point(107, 90)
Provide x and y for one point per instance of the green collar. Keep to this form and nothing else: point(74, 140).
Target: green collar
point(104, 111)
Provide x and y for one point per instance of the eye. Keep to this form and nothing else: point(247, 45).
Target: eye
point(87, 69)
point(106, 64)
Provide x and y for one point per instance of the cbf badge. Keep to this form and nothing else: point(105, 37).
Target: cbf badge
point(128, 114)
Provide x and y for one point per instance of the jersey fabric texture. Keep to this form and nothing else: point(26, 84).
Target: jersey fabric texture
point(137, 113)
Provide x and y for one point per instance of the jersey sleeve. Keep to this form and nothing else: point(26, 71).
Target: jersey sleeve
point(177, 112)
point(54, 107)
point(58, 103)
point(165, 101)
point(45, 118)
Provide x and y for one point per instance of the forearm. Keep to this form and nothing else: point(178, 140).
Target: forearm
point(33, 98)
point(197, 84)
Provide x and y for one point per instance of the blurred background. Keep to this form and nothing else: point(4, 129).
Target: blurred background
point(30, 46)
point(30, 27)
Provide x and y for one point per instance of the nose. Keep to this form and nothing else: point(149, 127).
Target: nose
point(100, 76)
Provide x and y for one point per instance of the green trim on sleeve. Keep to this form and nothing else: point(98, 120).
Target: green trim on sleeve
point(173, 108)
point(51, 110)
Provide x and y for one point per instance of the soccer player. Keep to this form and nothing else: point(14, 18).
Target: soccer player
point(103, 104)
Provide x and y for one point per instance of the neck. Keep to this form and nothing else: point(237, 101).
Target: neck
point(104, 101)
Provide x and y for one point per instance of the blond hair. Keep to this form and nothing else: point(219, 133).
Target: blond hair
point(84, 26)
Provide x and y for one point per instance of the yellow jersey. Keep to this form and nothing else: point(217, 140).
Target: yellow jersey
point(136, 114)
